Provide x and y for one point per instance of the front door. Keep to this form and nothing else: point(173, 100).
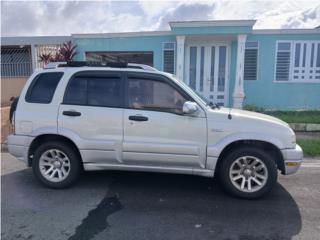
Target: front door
point(156, 132)
point(207, 70)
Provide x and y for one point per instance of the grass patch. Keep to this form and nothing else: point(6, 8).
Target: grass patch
point(311, 147)
point(296, 116)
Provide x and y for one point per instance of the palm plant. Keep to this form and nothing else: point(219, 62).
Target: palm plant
point(68, 51)
point(45, 58)
point(65, 53)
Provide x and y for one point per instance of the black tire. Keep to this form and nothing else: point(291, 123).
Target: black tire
point(230, 158)
point(70, 152)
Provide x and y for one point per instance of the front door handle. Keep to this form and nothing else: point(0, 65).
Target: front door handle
point(138, 118)
point(71, 113)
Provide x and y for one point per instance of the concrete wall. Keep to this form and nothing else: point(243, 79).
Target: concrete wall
point(142, 43)
point(11, 87)
point(265, 92)
point(5, 123)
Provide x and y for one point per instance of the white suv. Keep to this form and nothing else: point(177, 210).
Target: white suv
point(131, 117)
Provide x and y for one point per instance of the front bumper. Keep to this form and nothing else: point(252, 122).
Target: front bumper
point(292, 159)
point(18, 146)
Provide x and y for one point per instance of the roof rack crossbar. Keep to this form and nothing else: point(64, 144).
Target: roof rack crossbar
point(99, 64)
point(96, 64)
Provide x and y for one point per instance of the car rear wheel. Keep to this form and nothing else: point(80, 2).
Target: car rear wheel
point(56, 165)
point(248, 172)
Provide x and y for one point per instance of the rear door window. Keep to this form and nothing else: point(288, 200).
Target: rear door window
point(103, 90)
point(43, 87)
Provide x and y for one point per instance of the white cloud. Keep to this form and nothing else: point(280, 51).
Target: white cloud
point(155, 8)
point(66, 17)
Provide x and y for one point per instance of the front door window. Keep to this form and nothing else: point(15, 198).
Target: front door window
point(206, 71)
point(154, 95)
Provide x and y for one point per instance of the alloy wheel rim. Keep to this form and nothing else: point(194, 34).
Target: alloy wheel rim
point(248, 174)
point(54, 165)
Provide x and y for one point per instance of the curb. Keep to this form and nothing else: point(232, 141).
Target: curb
point(305, 127)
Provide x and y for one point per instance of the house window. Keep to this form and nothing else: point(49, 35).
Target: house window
point(168, 56)
point(298, 61)
point(139, 57)
point(16, 61)
point(251, 61)
point(283, 61)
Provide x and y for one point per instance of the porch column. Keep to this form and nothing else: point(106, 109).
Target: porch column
point(34, 57)
point(180, 57)
point(238, 94)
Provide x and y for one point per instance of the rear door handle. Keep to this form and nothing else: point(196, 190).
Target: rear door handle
point(138, 118)
point(71, 113)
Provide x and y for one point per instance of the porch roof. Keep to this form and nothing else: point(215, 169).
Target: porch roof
point(212, 27)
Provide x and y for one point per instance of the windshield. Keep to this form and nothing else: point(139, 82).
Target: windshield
point(206, 101)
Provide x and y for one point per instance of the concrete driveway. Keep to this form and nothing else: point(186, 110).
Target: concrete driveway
point(124, 205)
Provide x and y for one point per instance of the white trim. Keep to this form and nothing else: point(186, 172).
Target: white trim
point(121, 34)
point(43, 40)
point(238, 94)
point(285, 31)
point(34, 56)
point(313, 81)
point(180, 57)
point(216, 23)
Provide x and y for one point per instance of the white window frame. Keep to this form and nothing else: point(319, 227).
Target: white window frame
point(292, 61)
point(258, 55)
point(174, 55)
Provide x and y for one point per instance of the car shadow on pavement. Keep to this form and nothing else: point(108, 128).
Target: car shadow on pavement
point(191, 207)
point(130, 205)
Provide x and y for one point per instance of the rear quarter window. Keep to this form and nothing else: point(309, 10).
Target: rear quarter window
point(43, 87)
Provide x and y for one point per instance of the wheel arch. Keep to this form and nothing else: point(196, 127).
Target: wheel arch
point(37, 141)
point(267, 146)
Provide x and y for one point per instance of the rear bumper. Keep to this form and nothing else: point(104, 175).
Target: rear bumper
point(18, 146)
point(292, 159)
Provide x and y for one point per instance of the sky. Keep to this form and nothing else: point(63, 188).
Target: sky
point(43, 18)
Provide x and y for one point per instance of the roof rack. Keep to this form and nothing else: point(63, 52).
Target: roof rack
point(99, 64)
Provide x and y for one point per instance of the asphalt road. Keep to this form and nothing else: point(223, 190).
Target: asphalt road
point(124, 205)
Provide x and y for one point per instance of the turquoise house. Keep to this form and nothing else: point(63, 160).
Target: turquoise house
point(228, 62)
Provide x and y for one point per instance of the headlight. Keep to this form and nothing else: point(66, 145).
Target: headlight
point(293, 137)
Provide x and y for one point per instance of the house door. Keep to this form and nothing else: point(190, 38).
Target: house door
point(207, 68)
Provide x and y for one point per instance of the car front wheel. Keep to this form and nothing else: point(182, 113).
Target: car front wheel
point(248, 172)
point(56, 164)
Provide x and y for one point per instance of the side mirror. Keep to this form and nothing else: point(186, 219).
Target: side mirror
point(189, 107)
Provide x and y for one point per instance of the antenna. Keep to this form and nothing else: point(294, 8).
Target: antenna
point(229, 115)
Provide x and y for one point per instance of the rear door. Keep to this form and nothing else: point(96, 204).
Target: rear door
point(156, 132)
point(92, 115)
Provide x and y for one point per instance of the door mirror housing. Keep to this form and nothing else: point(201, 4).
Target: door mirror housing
point(189, 107)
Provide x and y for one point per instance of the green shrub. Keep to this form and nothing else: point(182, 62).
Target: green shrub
point(311, 147)
point(253, 108)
